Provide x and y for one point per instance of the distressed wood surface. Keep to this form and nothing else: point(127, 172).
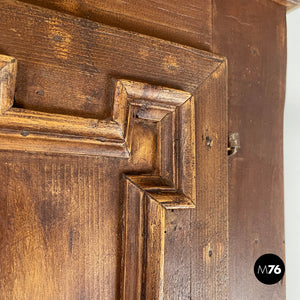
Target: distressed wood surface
point(251, 34)
point(192, 27)
point(73, 71)
point(54, 65)
point(151, 248)
point(69, 57)
point(170, 186)
point(255, 46)
point(209, 222)
point(8, 72)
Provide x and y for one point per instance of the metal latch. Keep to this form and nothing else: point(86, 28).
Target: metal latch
point(233, 143)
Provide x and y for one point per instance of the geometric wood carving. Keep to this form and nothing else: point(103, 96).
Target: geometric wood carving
point(147, 197)
point(171, 186)
point(58, 133)
point(195, 110)
point(28, 130)
point(44, 132)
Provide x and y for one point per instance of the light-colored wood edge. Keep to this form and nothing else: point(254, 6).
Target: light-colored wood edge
point(8, 73)
point(147, 197)
point(289, 4)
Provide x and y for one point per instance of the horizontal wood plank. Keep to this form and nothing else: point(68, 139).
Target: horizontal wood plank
point(193, 24)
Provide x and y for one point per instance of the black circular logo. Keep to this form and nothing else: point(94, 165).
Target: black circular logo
point(269, 269)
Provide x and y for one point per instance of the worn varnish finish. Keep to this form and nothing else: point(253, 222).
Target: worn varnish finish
point(81, 74)
point(60, 227)
point(75, 210)
point(156, 264)
point(8, 71)
point(74, 206)
point(255, 46)
point(187, 23)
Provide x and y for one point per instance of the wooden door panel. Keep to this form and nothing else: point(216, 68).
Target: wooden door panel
point(74, 59)
point(148, 220)
point(60, 227)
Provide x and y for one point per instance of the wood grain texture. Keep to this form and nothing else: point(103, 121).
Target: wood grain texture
point(193, 24)
point(64, 62)
point(171, 185)
point(60, 228)
point(149, 198)
point(255, 46)
point(8, 72)
point(209, 222)
point(43, 131)
point(46, 122)
point(71, 58)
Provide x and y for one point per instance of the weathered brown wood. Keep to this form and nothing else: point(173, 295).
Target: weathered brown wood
point(54, 132)
point(169, 186)
point(54, 65)
point(158, 128)
point(209, 222)
point(8, 72)
point(60, 227)
point(43, 131)
point(144, 231)
point(107, 136)
point(254, 41)
point(187, 23)
point(61, 215)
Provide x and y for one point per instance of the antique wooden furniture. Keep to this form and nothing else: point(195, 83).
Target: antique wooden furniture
point(115, 177)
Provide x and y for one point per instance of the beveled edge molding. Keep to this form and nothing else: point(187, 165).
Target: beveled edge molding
point(33, 131)
point(171, 186)
point(289, 4)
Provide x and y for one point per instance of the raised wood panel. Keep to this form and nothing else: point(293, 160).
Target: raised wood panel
point(150, 200)
point(76, 203)
point(73, 70)
point(70, 58)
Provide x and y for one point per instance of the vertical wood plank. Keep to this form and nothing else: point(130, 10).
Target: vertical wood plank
point(254, 41)
point(133, 248)
point(209, 221)
point(155, 246)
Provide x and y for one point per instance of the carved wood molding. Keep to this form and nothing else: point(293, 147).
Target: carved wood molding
point(171, 186)
point(22, 129)
point(289, 4)
point(147, 197)
point(187, 124)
